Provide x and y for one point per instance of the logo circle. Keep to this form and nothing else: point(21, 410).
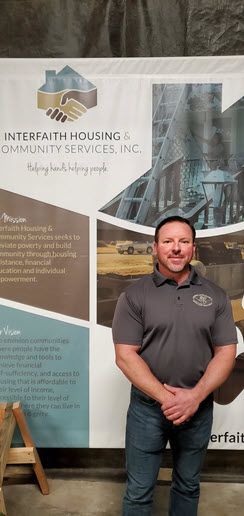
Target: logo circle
point(202, 300)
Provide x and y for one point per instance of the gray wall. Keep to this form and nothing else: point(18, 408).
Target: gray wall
point(115, 28)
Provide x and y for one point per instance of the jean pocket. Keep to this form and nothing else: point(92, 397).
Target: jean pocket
point(143, 398)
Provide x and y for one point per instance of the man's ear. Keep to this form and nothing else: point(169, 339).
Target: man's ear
point(155, 247)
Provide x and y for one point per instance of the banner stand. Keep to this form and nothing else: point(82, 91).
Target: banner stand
point(11, 415)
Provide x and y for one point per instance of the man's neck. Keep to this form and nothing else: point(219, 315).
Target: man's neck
point(178, 277)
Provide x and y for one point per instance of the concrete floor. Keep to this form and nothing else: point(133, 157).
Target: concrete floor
point(89, 497)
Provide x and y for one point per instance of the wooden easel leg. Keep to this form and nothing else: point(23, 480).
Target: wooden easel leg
point(2, 504)
point(24, 430)
point(7, 426)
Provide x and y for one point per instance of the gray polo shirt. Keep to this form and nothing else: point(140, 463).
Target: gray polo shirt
point(176, 326)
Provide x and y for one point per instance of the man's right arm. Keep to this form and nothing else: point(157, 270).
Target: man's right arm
point(138, 372)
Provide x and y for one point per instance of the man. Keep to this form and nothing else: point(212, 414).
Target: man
point(175, 341)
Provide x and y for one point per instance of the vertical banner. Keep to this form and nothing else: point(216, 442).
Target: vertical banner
point(93, 154)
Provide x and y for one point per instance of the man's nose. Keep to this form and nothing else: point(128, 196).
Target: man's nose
point(176, 247)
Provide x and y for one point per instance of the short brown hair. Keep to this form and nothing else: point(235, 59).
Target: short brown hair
point(174, 218)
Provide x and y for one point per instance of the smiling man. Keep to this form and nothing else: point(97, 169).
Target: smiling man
point(175, 340)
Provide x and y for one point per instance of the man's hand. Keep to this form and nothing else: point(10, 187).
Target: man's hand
point(181, 407)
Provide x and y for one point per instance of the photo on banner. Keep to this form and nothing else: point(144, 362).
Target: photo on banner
point(197, 160)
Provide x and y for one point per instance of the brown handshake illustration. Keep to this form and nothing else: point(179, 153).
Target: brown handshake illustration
point(66, 95)
point(68, 106)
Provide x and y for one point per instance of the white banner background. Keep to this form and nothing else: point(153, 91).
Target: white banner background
point(124, 106)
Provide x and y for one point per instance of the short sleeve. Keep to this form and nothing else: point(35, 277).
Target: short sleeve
point(127, 325)
point(224, 330)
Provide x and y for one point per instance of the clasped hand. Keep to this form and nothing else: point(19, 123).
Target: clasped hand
point(180, 407)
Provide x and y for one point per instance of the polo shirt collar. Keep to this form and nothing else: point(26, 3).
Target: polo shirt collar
point(160, 279)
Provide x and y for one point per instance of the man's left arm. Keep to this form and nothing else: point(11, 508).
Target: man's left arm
point(186, 401)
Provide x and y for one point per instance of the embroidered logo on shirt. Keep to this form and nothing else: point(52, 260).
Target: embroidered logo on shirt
point(202, 300)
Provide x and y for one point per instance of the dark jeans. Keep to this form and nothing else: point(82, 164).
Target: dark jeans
point(147, 434)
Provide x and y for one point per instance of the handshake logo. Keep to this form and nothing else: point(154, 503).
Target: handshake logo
point(66, 96)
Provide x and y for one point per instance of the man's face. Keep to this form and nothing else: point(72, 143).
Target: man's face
point(175, 248)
